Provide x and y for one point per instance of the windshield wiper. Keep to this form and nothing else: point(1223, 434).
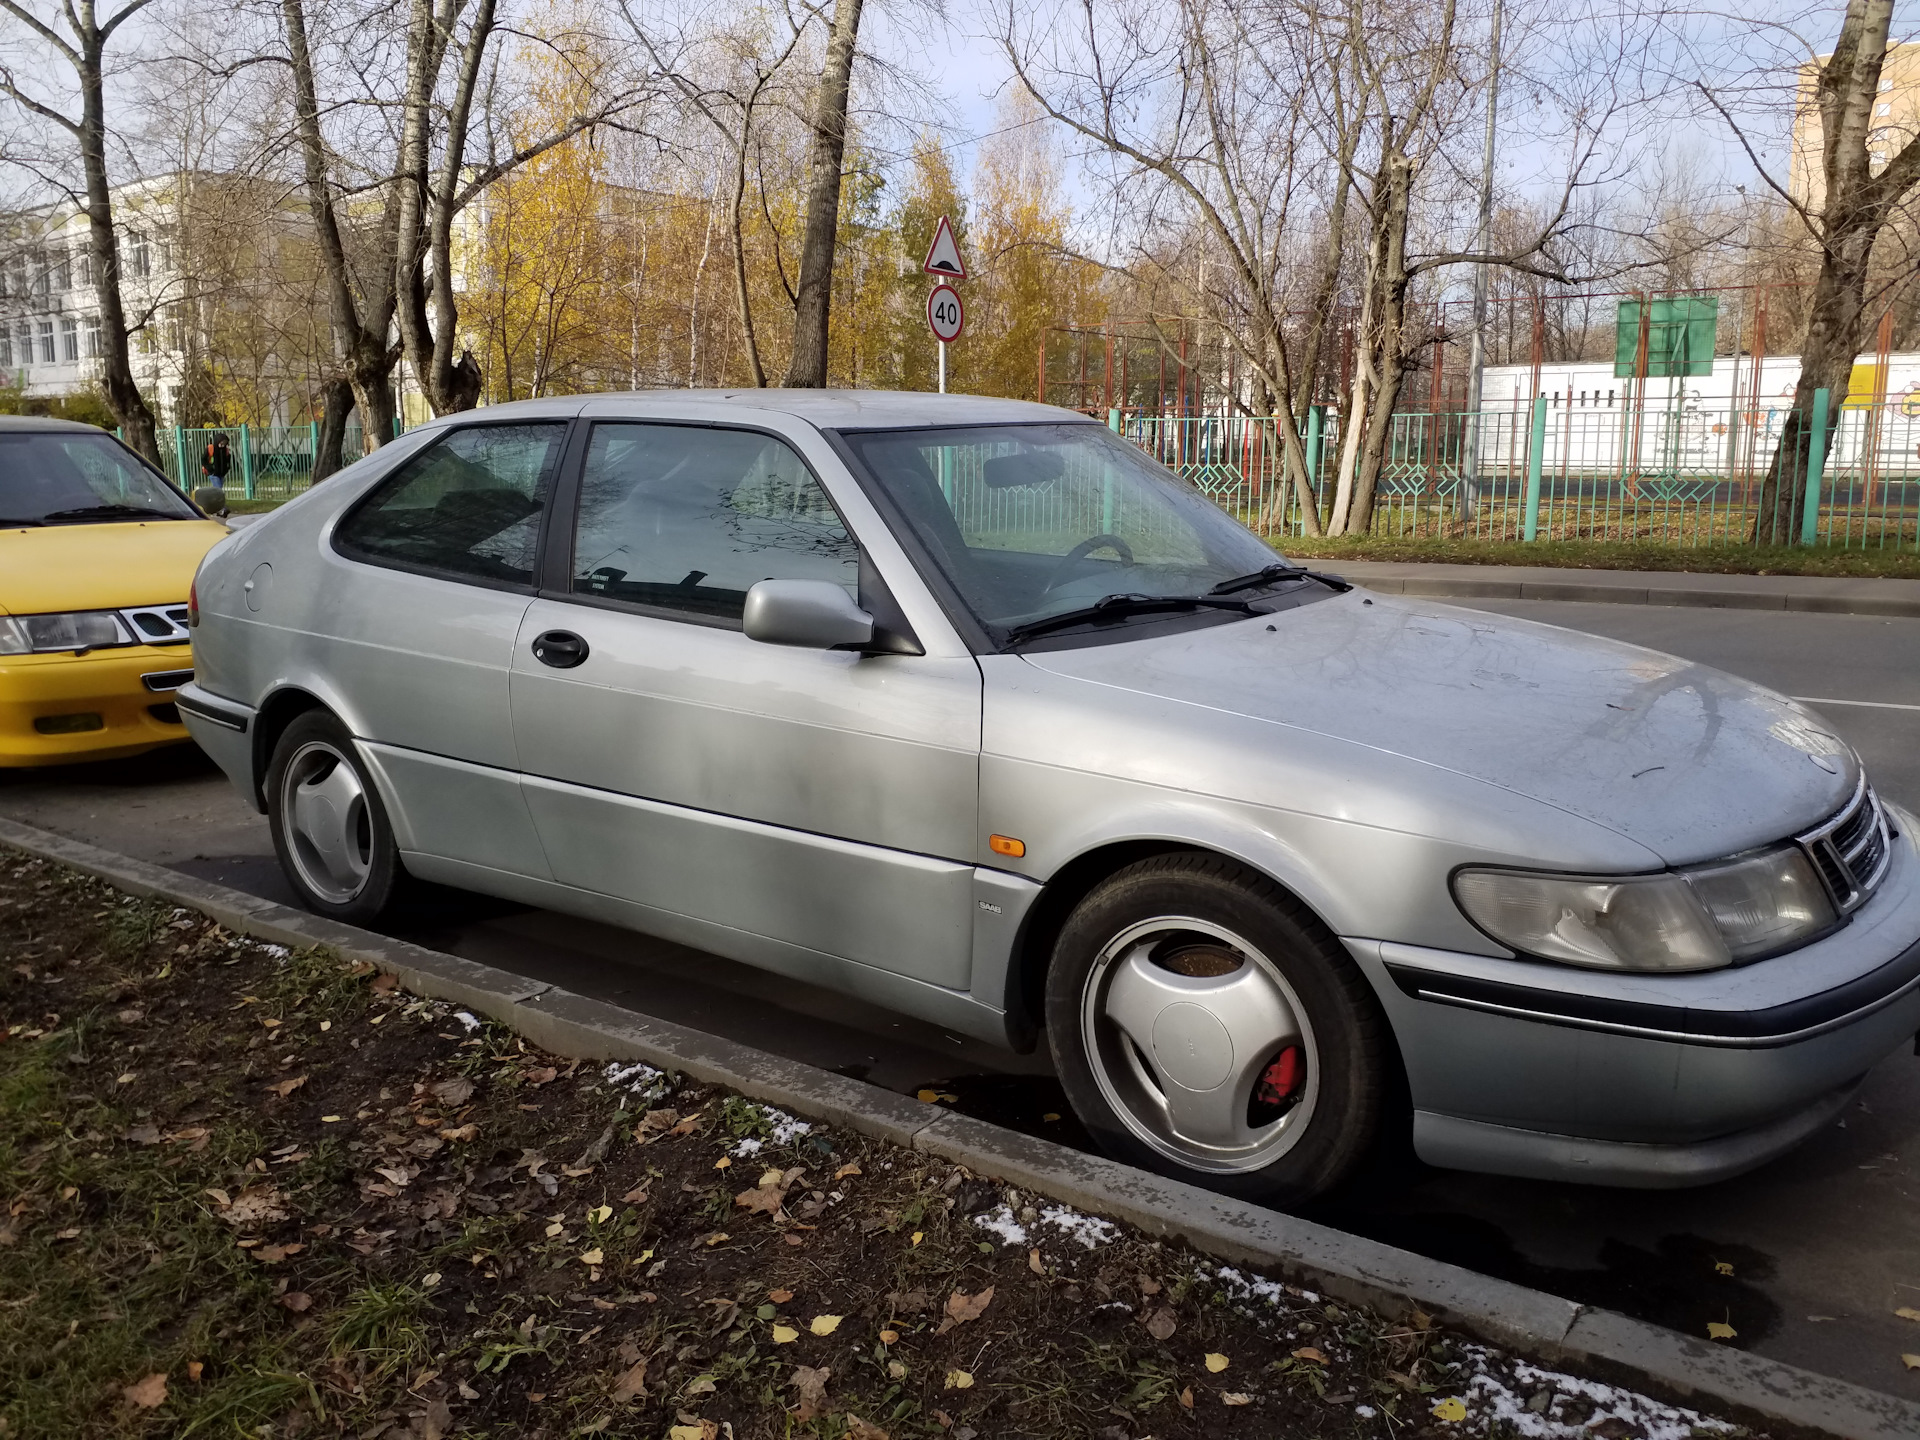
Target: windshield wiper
point(1115, 607)
point(1272, 574)
point(89, 512)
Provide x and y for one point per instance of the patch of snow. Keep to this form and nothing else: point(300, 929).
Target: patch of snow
point(745, 1148)
point(999, 1221)
point(1365, 1412)
point(471, 1022)
point(1240, 1286)
point(1090, 1232)
point(1504, 1403)
point(786, 1130)
point(640, 1078)
point(278, 952)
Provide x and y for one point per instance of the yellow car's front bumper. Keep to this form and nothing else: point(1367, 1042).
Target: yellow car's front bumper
point(103, 690)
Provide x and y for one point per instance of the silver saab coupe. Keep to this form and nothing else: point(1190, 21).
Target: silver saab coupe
point(969, 708)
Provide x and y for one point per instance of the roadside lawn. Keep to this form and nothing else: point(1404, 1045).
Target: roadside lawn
point(258, 1193)
point(1889, 563)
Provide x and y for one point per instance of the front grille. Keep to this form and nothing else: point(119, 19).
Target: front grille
point(1851, 849)
point(158, 624)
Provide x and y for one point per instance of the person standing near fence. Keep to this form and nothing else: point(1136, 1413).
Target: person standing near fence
point(216, 461)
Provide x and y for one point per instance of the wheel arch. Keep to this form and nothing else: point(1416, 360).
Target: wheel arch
point(279, 710)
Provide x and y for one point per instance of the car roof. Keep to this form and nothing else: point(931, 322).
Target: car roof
point(828, 409)
point(44, 422)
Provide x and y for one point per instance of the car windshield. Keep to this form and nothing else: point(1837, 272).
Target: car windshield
point(68, 477)
point(1031, 522)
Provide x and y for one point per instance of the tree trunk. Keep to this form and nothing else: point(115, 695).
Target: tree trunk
point(740, 258)
point(116, 361)
point(1853, 208)
point(336, 405)
point(1387, 359)
point(814, 294)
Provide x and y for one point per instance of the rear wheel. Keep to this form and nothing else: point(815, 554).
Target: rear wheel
point(1205, 1026)
point(330, 830)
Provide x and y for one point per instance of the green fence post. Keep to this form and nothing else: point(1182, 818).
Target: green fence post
point(1816, 463)
point(1536, 456)
point(1113, 420)
point(246, 459)
point(1316, 420)
point(313, 449)
point(180, 457)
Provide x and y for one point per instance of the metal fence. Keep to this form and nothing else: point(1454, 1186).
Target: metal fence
point(1683, 476)
point(270, 462)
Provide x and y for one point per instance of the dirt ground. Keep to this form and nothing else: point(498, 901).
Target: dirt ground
point(260, 1193)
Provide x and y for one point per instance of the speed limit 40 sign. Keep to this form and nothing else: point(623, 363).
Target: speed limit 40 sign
point(946, 317)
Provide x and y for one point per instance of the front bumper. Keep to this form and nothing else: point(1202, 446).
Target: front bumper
point(1523, 1068)
point(108, 683)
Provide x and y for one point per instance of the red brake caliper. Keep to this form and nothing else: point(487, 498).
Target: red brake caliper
point(1282, 1078)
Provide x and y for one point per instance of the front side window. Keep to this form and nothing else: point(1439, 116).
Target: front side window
point(71, 477)
point(468, 505)
point(1034, 521)
point(688, 518)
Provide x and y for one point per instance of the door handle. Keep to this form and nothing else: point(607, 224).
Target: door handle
point(561, 649)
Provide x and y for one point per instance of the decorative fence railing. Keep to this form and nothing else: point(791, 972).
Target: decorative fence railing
point(269, 462)
point(1684, 476)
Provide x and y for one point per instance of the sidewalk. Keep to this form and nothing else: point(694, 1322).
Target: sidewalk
point(1834, 595)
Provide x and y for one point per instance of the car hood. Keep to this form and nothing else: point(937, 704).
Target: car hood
point(101, 567)
point(1686, 760)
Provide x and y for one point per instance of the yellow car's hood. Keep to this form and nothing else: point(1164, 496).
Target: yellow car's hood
point(101, 567)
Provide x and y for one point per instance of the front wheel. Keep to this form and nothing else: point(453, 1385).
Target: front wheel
point(330, 830)
point(1206, 1027)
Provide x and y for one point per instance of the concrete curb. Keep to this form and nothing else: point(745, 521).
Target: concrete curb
point(1765, 1393)
point(1808, 594)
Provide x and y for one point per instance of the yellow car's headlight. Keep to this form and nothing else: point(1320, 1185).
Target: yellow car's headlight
point(73, 630)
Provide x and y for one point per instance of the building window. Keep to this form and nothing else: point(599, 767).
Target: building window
point(69, 339)
point(83, 265)
point(23, 343)
point(6, 348)
point(93, 337)
point(46, 342)
point(139, 254)
point(62, 267)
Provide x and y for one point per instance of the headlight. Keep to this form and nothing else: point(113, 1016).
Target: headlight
point(1696, 919)
point(77, 630)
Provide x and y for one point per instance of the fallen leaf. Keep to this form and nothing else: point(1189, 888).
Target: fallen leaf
point(285, 1088)
point(962, 1307)
point(959, 1380)
point(1719, 1331)
point(889, 1337)
point(555, 1228)
point(385, 984)
point(255, 1205)
point(723, 1162)
point(779, 1297)
point(1216, 1362)
point(761, 1201)
point(1723, 1267)
point(1186, 1398)
point(1149, 1285)
point(595, 1256)
point(842, 1173)
point(824, 1324)
point(1312, 1353)
point(858, 1429)
point(1035, 1263)
point(635, 1196)
point(1236, 1397)
point(540, 1075)
point(297, 1301)
point(149, 1393)
point(1452, 1410)
point(459, 1132)
point(143, 1135)
point(699, 1430)
point(600, 1214)
point(1907, 1312)
point(812, 1385)
point(785, 1334)
point(194, 1367)
point(918, 1236)
point(1912, 1362)
point(632, 1384)
point(1161, 1323)
point(455, 1092)
point(719, 1237)
point(702, 1386)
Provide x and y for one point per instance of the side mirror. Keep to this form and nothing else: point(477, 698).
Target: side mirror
point(814, 613)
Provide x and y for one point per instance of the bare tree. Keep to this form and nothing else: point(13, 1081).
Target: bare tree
point(1845, 212)
point(813, 298)
point(80, 38)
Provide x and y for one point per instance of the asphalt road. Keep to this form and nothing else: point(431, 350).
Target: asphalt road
point(1823, 1245)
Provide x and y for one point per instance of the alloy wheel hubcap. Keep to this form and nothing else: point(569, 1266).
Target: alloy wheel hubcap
point(1200, 1045)
point(329, 829)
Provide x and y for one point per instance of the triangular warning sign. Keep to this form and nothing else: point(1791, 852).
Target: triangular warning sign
point(943, 256)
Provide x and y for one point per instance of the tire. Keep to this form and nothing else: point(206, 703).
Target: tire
point(330, 828)
point(1207, 1027)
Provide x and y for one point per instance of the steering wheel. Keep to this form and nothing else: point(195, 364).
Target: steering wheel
point(1080, 552)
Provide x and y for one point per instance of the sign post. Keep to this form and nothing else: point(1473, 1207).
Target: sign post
point(946, 316)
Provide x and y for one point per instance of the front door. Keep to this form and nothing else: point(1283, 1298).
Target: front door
point(774, 804)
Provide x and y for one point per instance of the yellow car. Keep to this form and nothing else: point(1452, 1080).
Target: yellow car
point(97, 554)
